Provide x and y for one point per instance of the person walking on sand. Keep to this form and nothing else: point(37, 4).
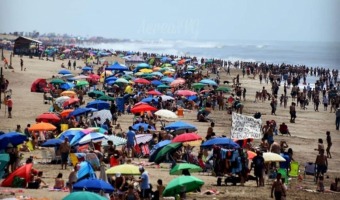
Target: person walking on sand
point(329, 144)
point(292, 112)
point(69, 64)
point(337, 119)
point(321, 164)
point(74, 65)
point(278, 188)
point(9, 104)
point(22, 64)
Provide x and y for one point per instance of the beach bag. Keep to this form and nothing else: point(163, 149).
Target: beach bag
point(18, 182)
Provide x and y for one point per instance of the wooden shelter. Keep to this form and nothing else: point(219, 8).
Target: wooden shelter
point(26, 46)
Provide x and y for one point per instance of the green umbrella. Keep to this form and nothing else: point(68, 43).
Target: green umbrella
point(84, 195)
point(223, 89)
point(166, 65)
point(177, 170)
point(165, 150)
point(182, 184)
point(106, 98)
point(57, 81)
point(127, 77)
point(82, 83)
point(122, 80)
point(96, 93)
point(198, 85)
point(162, 86)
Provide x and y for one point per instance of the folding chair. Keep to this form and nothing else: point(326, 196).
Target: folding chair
point(284, 174)
point(294, 169)
point(310, 169)
point(46, 156)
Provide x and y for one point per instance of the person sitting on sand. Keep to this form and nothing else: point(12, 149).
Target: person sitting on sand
point(284, 129)
point(59, 182)
point(334, 185)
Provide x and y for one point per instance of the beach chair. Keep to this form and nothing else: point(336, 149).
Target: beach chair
point(294, 169)
point(46, 156)
point(284, 174)
point(310, 169)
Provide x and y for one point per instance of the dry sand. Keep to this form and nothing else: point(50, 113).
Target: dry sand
point(308, 128)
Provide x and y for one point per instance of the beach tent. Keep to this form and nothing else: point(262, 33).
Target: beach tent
point(86, 171)
point(38, 85)
point(22, 172)
point(4, 159)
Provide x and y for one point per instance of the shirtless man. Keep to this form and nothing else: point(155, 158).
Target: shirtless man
point(321, 163)
point(292, 112)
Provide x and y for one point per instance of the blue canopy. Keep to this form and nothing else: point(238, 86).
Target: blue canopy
point(52, 142)
point(87, 68)
point(167, 79)
point(155, 149)
point(80, 111)
point(118, 67)
point(98, 104)
point(85, 171)
point(224, 142)
point(165, 59)
point(13, 138)
point(149, 99)
point(64, 71)
point(156, 82)
point(76, 138)
point(67, 86)
point(179, 125)
point(93, 185)
point(69, 134)
point(144, 125)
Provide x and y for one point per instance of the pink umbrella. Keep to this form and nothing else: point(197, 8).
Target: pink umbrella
point(177, 82)
point(94, 76)
point(141, 81)
point(185, 93)
point(67, 51)
point(154, 92)
point(70, 101)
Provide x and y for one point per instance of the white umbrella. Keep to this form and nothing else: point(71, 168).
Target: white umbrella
point(166, 114)
point(166, 98)
point(103, 115)
point(121, 80)
point(92, 137)
point(60, 101)
point(273, 157)
point(143, 138)
point(115, 139)
point(81, 77)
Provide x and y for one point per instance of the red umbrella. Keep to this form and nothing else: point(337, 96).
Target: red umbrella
point(154, 92)
point(141, 81)
point(185, 93)
point(181, 62)
point(48, 117)
point(187, 137)
point(143, 108)
point(94, 76)
point(204, 91)
point(251, 155)
point(70, 101)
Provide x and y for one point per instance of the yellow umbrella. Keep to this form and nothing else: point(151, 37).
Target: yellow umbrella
point(146, 70)
point(42, 127)
point(139, 73)
point(167, 72)
point(68, 93)
point(195, 143)
point(126, 169)
point(102, 76)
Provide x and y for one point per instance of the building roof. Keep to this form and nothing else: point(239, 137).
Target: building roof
point(30, 39)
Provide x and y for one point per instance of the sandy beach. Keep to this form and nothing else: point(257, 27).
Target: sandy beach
point(309, 126)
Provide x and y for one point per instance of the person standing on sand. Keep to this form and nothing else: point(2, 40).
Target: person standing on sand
point(69, 64)
point(329, 144)
point(292, 112)
point(65, 149)
point(278, 188)
point(258, 165)
point(21, 64)
point(337, 119)
point(321, 164)
point(9, 104)
point(74, 65)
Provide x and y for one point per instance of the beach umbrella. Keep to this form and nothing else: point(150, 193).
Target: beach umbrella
point(177, 82)
point(143, 108)
point(122, 80)
point(208, 82)
point(223, 89)
point(111, 78)
point(95, 93)
point(178, 168)
point(84, 195)
point(143, 65)
point(174, 62)
point(118, 67)
point(166, 98)
point(14, 138)
point(169, 148)
point(48, 117)
point(137, 126)
point(87, 68)
point(251, 154)
point(223, 141)
point(162, 86)
point(182, 184)
point(80, 111)
point(42, 127)
point(179, 125)
point(103, 115)
point(98, 104)
point(82, 83)
point(156, 82)
point(198, 85)
point(146, 70)
point(157, 74)
point(93, 185)
point(154, 92)
point(141, 81)
point(66, 112)
point(57, 81)
point(167, 79)
point(125, 169)
point(106, 98)
point(166, 114)
point(94, 76)
point(95, 129)
point(272, 157)
point(156, 148)
point(67, 51)
point(67, 86)
point(70, 133)
point(92, 137)
point(52, 142)
point(64, 71)
point(185, 93)
point(76, 138)
point(117, 141)
point(70, 102)
point(80, 77)
point(143, 138)
point(187, 137)
point(68, 93)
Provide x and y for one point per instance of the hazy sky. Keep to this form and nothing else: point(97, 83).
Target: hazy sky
point(278, 20)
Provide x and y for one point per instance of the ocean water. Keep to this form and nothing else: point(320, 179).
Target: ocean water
point(313, 54)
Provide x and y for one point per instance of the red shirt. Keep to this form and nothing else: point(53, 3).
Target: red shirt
point(10, 103)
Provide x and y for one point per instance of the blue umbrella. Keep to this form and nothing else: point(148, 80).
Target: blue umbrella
point(69, 134)
point(52, 142)
point(157, 74)
point(111, 78)
point(118, 67)
point(155, 149)
point(98, 104)
point(64, 71)
point(87, 68)
point(165, 59)
point(143, 65)
point(93, 185)
point(192, 98)
point(76, 138)
point(173, 62)
point(149, 99)
point(85, 171)
point(208, 82)
point(14, 138)
point(144, 125)
point(179, 125)
point(67, 86)
point(79, 111)
point(167, 79)
point(225, 142)
point(156, 82)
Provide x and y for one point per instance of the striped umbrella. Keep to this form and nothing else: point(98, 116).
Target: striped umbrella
point(103, 115)
point(115, 139)
point(143, 138)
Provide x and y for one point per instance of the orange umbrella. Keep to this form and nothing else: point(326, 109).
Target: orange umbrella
point(69, 94)
point(251, 155)
point(181, 62)
point(42, 127)
point(65, 113)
